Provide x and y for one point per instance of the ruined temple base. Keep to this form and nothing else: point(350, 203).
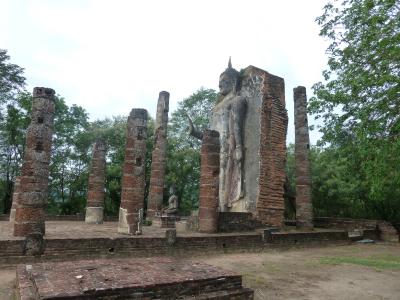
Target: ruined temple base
point(144, 278)
point(94, 215)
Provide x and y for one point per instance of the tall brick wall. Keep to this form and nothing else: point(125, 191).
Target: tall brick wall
point(133, 176)
point(273, 127)
point(209, 182)
point(30, 215)
point(304, 208)
point(159, 156)
point(97, 176)
point(16, 193)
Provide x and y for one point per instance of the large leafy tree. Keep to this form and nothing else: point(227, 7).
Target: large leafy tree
point(12, 83)
point(12, 80)
point(359, 101)
point(361, 93)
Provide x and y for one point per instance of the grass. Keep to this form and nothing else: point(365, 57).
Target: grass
point(380, 262)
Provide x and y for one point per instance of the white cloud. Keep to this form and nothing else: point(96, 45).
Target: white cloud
point(111, 56)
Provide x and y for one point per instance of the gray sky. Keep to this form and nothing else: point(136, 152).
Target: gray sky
point(112, 56)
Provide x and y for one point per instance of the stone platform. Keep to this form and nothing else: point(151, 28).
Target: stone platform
point(145, 278)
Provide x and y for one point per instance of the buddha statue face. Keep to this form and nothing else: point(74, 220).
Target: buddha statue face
point(226, 84)
point(228, 80)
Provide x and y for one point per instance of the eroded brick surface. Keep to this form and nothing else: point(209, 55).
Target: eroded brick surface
point(144, 278)
point(273, 128)
point(209, 181)
point(95, 197)
point(133, 173)
point(304, 209)
point(158, 156)
point(33, 191)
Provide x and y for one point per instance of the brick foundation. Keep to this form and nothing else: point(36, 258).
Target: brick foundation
point(154, 278)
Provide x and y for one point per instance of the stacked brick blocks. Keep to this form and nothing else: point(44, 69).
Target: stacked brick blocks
point(32, 199)
point(133, 177)
point(158, 156)
point(95, 198)
point(209, 182)
point(304, 208)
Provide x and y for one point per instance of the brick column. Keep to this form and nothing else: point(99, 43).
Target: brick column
point(304, 208)
point(133, 176)
point(97, 176)
point(16, 192)
point(209, 182)
point(30, 215)
point(158, 157)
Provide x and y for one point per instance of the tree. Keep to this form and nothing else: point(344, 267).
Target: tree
point(12, 80)
point(361, 93)
point(183, 154)
point(70, 159)
point(359, 100)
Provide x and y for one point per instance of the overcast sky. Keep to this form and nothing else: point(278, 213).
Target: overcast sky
point(112, 56)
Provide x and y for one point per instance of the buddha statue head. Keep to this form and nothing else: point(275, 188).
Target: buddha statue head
point(229, 80)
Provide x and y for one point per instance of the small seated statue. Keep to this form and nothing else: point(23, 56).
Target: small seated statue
point(172, 208)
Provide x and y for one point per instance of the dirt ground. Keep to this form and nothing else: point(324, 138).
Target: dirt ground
point(343, 272)
point(318, 273)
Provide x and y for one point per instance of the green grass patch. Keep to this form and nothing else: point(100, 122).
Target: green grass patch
point(381, 262)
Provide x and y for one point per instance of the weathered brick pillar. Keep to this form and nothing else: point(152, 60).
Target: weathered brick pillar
point(30, 215)
point(304, 208)
point(158, 156)
point(97, 177)
point(209, 182)
point(133, 176)
point(16, 192)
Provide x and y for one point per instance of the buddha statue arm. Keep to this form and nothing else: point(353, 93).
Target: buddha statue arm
point(239, 113)
point(193, 131)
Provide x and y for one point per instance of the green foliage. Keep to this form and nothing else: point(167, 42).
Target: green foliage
point(380, 262)
point(69, 159)
point(183, 154)
point(11, 121)
point(358, 103)
point(360, 96)
point(11, 78)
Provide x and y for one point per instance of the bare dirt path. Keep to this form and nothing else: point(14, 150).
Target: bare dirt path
point(343, 272)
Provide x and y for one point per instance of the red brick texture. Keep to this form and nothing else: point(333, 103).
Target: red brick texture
point(304, 208)
point(158, 156)
point(209, 182)
point(97, 175)
point(33, 192)
point(274, 120)
point(135, 278)
point(133, 176)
